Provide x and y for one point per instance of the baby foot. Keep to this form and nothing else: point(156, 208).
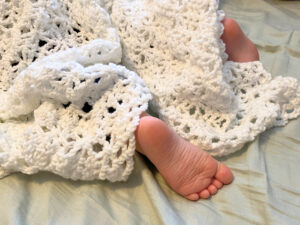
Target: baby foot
point(238, 47)
point(188, 170)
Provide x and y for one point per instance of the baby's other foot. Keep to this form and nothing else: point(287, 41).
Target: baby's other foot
point(238, 47)
point(188, 170)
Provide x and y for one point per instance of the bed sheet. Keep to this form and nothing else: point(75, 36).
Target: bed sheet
point(266, 188)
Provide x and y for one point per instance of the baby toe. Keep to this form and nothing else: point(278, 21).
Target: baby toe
point(217, 183)
point(212, 189)
point(204, 194)
point(224, 174)
point(193, 197)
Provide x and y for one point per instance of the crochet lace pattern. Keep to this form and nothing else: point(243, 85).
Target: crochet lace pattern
point(73, 112)
point(69, 108)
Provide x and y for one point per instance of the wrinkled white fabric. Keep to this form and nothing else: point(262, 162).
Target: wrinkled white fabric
point(67, 107)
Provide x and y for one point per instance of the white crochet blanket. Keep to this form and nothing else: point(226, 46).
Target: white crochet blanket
point(67, 107)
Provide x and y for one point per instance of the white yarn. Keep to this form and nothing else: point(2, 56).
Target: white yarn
point(30, 30)
point(73, 112)
point(76, 120)
point(66, 107)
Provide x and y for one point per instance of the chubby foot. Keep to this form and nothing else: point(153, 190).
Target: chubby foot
point(188, 170)
point(238, 47)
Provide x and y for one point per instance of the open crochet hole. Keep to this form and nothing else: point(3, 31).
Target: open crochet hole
point(51, 47)
point(243, 91)
point(289, 110)
point(222, 123)
point(87, 118)
point(99, 52)
point(120, 102)
point(97, 147)
point(186, 129)
point(70, 140)
point(141, 31)
point(108, 138)
point(142, 59)
point(96, 81)
point(176, 123)
point(42, 43)
point(192, 110)
point(14, 63)
point(239, 116)
point(215, 140)
point(256, 95)
point(253, 120)
point(34, 58)
point(24, 30)
point(111, 110)
point(119, 153)
point(87, 107)
point(124, 165)
point(45, 129)
point(75, 29)
point(202, 111)
point(66, 105)
point(79, 117)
